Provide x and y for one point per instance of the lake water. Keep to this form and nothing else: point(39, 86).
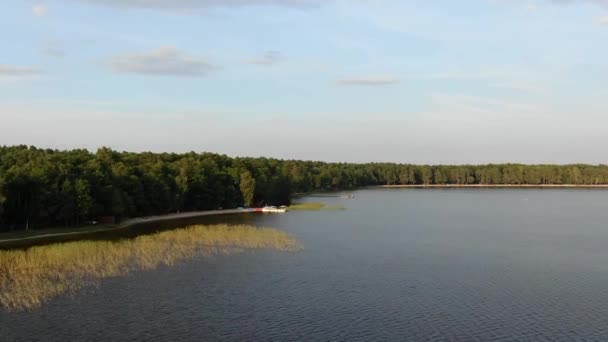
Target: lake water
point(397, 265)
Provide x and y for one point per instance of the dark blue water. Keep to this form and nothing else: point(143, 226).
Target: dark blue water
point(398, 265)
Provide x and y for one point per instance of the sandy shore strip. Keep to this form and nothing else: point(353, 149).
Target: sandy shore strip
point(484, 186)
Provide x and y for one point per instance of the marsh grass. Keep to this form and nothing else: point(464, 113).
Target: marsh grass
point(29, 278)
point(315, 206)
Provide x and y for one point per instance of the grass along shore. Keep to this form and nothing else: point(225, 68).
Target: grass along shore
point(315, 206)
point(29, 278)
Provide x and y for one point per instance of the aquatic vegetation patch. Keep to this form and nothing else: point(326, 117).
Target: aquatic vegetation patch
point(29, 278)
point(315, 206)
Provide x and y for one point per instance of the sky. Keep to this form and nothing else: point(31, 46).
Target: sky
point(476, 81)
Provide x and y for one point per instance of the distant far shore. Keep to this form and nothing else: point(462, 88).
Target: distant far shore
point(514, 186)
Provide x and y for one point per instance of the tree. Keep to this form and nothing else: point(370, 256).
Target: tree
point(181, 183)
point(2, 198)
point(247, 187)
point(47, 188)
point(84, 201)
point(68, 203)
point(118, 205)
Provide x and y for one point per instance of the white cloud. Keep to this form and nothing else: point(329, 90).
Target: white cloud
point(166, 61)
point(604, 20)
point(532, 7)
point(18, 71)
point(369, 81)
point(473, 75)
point(54, 47)
point(269, 58)
point(473, 107)
point(201, 4)
point(40, 10)
point(598, 2)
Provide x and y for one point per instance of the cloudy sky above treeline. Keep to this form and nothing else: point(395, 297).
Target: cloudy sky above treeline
point(346, 80)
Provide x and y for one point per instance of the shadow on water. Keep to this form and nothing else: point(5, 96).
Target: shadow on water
point(133, 231)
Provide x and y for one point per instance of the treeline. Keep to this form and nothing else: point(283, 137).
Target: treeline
point(43, 187)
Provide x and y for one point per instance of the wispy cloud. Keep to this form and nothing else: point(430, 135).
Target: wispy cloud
point(481, 103)
point(519, 86)
point(18, 71)
point(40, 10)
point(481, 108)
point(54, 47)
point(474, 75)
point(269, 58)
point(166, 61)
point(369, 81)
point(532, 7)
point(598, 2)
point(511, 79)
point(604, 20)
point(201, 4)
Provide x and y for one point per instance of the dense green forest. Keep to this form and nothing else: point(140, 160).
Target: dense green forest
point(43, 187)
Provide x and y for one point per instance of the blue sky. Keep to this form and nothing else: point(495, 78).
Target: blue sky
point(361, 80)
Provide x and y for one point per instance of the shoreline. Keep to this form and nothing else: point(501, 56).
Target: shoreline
point(490, 186)
point(123, 225)
point(190, 214)
point(83, 232)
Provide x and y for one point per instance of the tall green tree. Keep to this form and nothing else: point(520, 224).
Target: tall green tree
point(2, 198)
point(84, 201)
point(247, 187)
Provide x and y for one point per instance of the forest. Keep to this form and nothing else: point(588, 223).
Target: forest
point(52, 188)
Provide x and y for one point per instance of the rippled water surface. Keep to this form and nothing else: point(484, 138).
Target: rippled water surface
point(397, 265)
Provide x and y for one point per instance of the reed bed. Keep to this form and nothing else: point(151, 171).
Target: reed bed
point(29, 278)
point(315, 206)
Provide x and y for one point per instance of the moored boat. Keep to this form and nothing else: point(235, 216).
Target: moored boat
point(273, 209)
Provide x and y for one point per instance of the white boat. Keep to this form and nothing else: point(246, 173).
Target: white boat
point(273, 209)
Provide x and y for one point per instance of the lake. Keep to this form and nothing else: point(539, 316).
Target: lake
point(397, 265)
